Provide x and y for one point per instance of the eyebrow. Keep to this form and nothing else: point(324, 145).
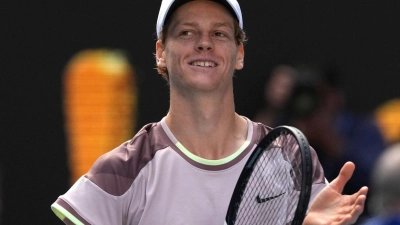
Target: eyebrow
point(196, 24)
point(222, 25)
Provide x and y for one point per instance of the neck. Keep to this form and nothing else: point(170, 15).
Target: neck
point(207, 125)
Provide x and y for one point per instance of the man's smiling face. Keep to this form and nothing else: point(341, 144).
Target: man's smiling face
point(200, 50)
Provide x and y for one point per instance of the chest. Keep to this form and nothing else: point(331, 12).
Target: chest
point(176, 192)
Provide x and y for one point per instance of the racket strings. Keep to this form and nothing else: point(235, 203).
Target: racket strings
point(270, 194)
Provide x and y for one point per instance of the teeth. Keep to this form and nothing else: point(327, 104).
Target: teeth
point(203, 64)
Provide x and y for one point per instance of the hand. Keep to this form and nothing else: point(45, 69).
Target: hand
point(331, 207)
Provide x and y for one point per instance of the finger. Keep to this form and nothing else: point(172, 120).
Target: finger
point(344, 175)
point(362, 191)
point(357, 202)
point(352, 216)
point(358, 208)
point(345, 220)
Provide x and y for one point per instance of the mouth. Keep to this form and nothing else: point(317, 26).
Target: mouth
point(203, 64)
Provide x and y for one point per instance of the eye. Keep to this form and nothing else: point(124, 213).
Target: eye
point(186, 33)
point(219, 34)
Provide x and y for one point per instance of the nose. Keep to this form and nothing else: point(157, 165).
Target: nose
point(204, 43)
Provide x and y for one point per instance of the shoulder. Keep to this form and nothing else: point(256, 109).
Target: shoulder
point(115, 171)
point(260, 128)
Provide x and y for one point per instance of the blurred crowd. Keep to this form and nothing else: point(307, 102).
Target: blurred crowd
point(312, 99)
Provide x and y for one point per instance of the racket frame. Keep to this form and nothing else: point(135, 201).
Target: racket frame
point(306, 184)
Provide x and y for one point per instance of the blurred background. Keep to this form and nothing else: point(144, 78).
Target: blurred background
point(356, 42)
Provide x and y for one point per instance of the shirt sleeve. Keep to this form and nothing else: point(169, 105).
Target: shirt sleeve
point(112, 192)
point(86, 203)
point(319, 181)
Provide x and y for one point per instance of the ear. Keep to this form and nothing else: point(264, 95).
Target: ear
point(160, 61)
point(240, 57)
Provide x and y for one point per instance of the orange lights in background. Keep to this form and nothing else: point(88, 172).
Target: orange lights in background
point(100, 106)
point(388, 118)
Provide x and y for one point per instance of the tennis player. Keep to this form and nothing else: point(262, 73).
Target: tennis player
point(183, 169)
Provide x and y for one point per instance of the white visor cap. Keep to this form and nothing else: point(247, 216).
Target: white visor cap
point(168, 5)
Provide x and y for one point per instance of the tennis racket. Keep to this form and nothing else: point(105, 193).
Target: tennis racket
point(275, 184)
